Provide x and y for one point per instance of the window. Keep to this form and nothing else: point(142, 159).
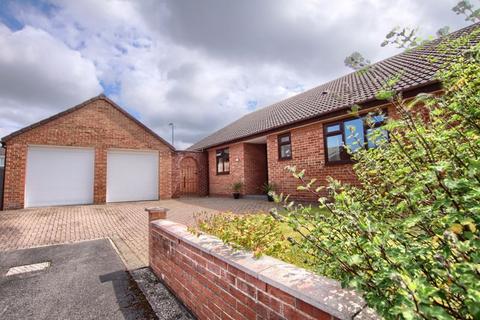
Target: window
point(284, 147)
point(353, 134)
point(2, 161)
point(223, 161)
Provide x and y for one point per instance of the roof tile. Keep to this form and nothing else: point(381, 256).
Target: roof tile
point(415, 67)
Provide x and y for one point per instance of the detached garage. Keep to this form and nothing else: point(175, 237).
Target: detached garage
point(94, 152)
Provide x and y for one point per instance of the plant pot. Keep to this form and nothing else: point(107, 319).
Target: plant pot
point(236, 195)
point(270, 198)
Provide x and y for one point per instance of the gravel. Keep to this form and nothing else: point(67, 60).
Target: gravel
point(162, 301)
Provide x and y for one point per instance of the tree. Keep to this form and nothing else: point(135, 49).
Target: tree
point(407, 38)
point(356, 61)
point(408, 237)
point(467, 9)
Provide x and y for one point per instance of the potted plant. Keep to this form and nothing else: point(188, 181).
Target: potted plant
point(269, 189)
point(236, 187)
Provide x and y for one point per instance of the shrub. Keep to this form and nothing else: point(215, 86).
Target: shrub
point(408, 236)
point(237, 186)
point(259, 233)
point(269, 187)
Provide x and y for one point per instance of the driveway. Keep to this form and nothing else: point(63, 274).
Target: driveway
point(126, 224)
point(85, 280)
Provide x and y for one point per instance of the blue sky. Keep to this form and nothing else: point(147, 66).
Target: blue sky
point(199, 64)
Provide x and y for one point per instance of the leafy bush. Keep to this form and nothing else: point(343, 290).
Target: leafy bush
point(408, 237)
point(237, 186)
point(259, 233)
point(269, 187)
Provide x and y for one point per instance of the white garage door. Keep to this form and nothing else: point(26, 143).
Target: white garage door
point(59, 176)
point(132, 175)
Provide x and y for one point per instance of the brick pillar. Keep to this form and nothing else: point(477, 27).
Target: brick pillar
point(15, 172)
point(165, 170)
point(156, 213)
point(100, 180)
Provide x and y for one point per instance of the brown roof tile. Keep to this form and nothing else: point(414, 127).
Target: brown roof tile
point(416, 68)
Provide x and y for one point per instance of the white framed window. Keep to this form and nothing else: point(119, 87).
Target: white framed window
point(2, 161)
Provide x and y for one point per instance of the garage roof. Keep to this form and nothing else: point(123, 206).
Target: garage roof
point(79, 106)
point(416, 68)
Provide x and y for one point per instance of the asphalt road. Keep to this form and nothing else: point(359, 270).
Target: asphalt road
point(86, 280)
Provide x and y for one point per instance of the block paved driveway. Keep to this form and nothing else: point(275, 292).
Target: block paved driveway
point(126, 224)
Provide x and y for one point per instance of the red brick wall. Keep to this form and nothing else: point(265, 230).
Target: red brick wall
point(201, 161)
point(97, 125)
point(247, 165)
point(255, 171)
point(214, 289)
point(307, 153)
point(222, 184)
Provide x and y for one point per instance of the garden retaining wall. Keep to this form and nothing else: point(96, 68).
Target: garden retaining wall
point(216, 282)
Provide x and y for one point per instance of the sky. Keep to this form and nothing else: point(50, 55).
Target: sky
point(197, 64)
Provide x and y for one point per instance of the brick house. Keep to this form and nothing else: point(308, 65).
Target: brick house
point(308, 130)
point(95, 152)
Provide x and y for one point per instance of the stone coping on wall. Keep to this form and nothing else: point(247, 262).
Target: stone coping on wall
point(321, 292)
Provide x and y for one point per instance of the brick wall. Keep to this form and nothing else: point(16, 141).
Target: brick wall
point(221, 184)
point(97, 125)
point(255, 171)
point(216, 282)
point(248, 164)
point(1, 186)
point(307, 153)
point(201, 162)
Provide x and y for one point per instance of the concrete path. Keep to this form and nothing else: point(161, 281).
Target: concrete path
point(126, 224)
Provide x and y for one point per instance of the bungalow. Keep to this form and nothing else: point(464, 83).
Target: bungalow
point(96, 152)
point(309, 130)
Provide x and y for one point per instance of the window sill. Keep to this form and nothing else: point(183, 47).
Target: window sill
point(222, 173)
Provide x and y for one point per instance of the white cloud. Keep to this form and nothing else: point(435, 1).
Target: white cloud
point(202, 64)
point(39, 76)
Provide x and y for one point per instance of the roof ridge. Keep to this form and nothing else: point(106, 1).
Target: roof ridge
point(50, 118)
point(101, 96)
